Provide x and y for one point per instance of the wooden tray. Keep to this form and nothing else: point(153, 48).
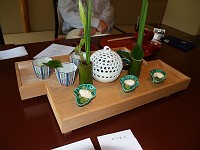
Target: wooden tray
point(110, 99)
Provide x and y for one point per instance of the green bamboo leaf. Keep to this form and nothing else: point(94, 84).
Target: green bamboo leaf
point(82, 42)
point(85, 15)
point(137, 52)
point(124, 54)
point(142, 21)
point(78, 49)
point(53, 64)
point(82, 13)
point(89, 14)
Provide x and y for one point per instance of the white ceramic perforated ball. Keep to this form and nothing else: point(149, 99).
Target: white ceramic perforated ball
point(107, 65)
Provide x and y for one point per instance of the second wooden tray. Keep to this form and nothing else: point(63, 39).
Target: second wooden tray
point(109, 101)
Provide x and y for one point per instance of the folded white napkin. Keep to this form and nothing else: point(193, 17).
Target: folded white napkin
point(12, 53)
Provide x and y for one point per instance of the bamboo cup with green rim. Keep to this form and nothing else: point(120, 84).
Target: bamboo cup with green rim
point(135, 67)
point(85, 73)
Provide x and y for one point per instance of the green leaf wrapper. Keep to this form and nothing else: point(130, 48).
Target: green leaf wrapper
point(137, 52)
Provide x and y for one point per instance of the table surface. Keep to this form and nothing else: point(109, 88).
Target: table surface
point(169, 123)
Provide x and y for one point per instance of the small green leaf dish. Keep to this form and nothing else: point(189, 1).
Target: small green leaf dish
point(124, 53)
point(82, 101)
point(126, 63)
point(128, 88)
point(158, 75)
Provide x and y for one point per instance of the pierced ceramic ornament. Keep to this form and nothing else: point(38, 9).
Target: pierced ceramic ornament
point(157, 75)
point(107, 65)
point(129, 83)
point(84, 94)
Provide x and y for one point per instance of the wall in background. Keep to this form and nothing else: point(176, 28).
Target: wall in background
point(42, 19)
point(179, 14)
point(127, 11)
point(10, 16)
point(183, 15)
point(40, 14)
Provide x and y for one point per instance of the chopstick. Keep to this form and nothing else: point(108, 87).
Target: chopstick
point(123, 38)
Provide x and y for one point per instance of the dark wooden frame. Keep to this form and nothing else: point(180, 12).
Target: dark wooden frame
point(2, 42)
point(56, 21)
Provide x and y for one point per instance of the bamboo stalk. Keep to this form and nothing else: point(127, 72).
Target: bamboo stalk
point(142, 22)
point(88, 32)
point(137, 52)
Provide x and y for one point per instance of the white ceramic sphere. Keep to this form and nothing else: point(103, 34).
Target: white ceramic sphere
point(107, 65)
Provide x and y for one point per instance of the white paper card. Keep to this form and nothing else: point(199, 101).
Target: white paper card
point(55, 50)
point(12, 53)
point(123, 140)
point(85, 144)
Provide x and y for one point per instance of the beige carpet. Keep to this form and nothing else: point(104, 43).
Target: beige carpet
point(32, 37)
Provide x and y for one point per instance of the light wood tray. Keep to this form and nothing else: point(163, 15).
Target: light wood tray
point(110, 99)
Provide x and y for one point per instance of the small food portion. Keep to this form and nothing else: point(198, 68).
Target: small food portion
point(158, 75)
point(84, 94)
point(129, 83)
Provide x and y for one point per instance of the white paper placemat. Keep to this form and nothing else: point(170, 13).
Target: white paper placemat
point(123, 140)
point(12, 53)
point(55, 50)
point(85, 144)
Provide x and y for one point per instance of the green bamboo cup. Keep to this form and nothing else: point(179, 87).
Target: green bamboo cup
point(135, 67)
point(85, 73)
